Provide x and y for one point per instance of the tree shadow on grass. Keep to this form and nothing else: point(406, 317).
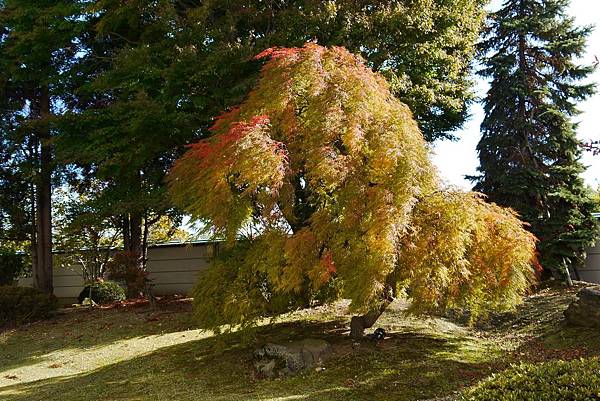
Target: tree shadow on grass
point(85, 328)
point(545, 333)
point(405, 366)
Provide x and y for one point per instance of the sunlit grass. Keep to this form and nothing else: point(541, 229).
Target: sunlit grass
point(145, 354)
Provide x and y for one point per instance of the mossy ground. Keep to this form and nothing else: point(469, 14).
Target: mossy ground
point(140, 353)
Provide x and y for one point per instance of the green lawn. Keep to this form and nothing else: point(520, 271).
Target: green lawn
point(139, 353)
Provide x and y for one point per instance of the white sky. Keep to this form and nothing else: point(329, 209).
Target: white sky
point(457, 159)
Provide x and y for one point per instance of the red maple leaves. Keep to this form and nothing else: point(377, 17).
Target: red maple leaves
point(204, 150)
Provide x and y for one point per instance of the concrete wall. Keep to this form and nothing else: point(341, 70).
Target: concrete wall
point(172, 269)
point(591, 271)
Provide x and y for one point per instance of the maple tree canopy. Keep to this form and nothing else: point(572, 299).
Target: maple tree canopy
point(330, 175)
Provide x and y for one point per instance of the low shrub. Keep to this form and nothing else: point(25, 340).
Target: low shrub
point(12, 265)
point(576, 380)
point(24, 304)
point(102, 292)
point(125, 268)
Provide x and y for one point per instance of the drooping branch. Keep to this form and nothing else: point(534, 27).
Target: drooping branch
point(352, 176)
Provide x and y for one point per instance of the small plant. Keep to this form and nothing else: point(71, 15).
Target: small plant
point(102, 292)
point(24, 304)
point(125, 268)
point(548, 381)
point(12, 265)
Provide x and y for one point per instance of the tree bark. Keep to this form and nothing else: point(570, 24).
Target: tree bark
point(135, 229)
point(43, 269)
point(145, 241)
point(126, 234)
point(358, 324)
point(132, 236)
point(33, 242)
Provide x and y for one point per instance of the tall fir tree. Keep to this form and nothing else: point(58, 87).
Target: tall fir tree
point(38, 44)
point(529, 153)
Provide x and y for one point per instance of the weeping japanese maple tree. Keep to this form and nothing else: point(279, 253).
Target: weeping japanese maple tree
point(330, 177)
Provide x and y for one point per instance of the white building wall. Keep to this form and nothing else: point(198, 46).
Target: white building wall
point(171, 268)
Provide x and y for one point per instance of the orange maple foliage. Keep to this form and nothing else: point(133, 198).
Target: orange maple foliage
point(334, 176)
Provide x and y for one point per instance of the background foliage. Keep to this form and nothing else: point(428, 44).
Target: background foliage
point(23, 304)
point(12, 266)
point(102, 292)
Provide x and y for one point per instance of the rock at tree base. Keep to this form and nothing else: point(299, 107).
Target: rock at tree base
point(585, 311)
point(278, 360)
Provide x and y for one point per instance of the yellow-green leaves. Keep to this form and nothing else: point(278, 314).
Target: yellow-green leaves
point(336, 174)
point(464, 252)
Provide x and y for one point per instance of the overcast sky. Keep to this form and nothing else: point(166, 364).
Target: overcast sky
point(457, 159)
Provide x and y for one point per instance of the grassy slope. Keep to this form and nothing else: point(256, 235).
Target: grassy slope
point(145, 354)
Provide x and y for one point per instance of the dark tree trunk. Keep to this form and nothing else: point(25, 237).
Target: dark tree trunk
point(43, 269)
point(132, 233)
point(33, 243)
point(126, 233)
point(359, 324)
point(135, 229)
point(132, 236)
point(145, 241)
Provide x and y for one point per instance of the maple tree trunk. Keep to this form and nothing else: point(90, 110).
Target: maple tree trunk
point(43, 267)
point(358, 324)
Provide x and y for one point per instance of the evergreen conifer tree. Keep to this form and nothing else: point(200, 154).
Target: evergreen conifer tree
point(529, 153)
point(38, 46)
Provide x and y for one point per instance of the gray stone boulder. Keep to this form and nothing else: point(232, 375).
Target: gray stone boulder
point(585, 311)
point(279, 360)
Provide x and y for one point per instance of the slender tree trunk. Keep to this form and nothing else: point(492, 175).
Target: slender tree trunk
point(145, 241)
point(359, 324)
point(126, 233)
point(132, 227)
point(44, 279)
point(33, 244)
point(132, 235)
point(135, 229)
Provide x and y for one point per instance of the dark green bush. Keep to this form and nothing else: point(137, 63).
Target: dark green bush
point(103, 292)
point(577, 380)
point(124, 267)
point(12, 265)
point(24, 304)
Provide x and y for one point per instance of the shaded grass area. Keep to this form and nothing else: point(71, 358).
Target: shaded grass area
point(537, 330)
point(157, 354)
point(84, 329)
